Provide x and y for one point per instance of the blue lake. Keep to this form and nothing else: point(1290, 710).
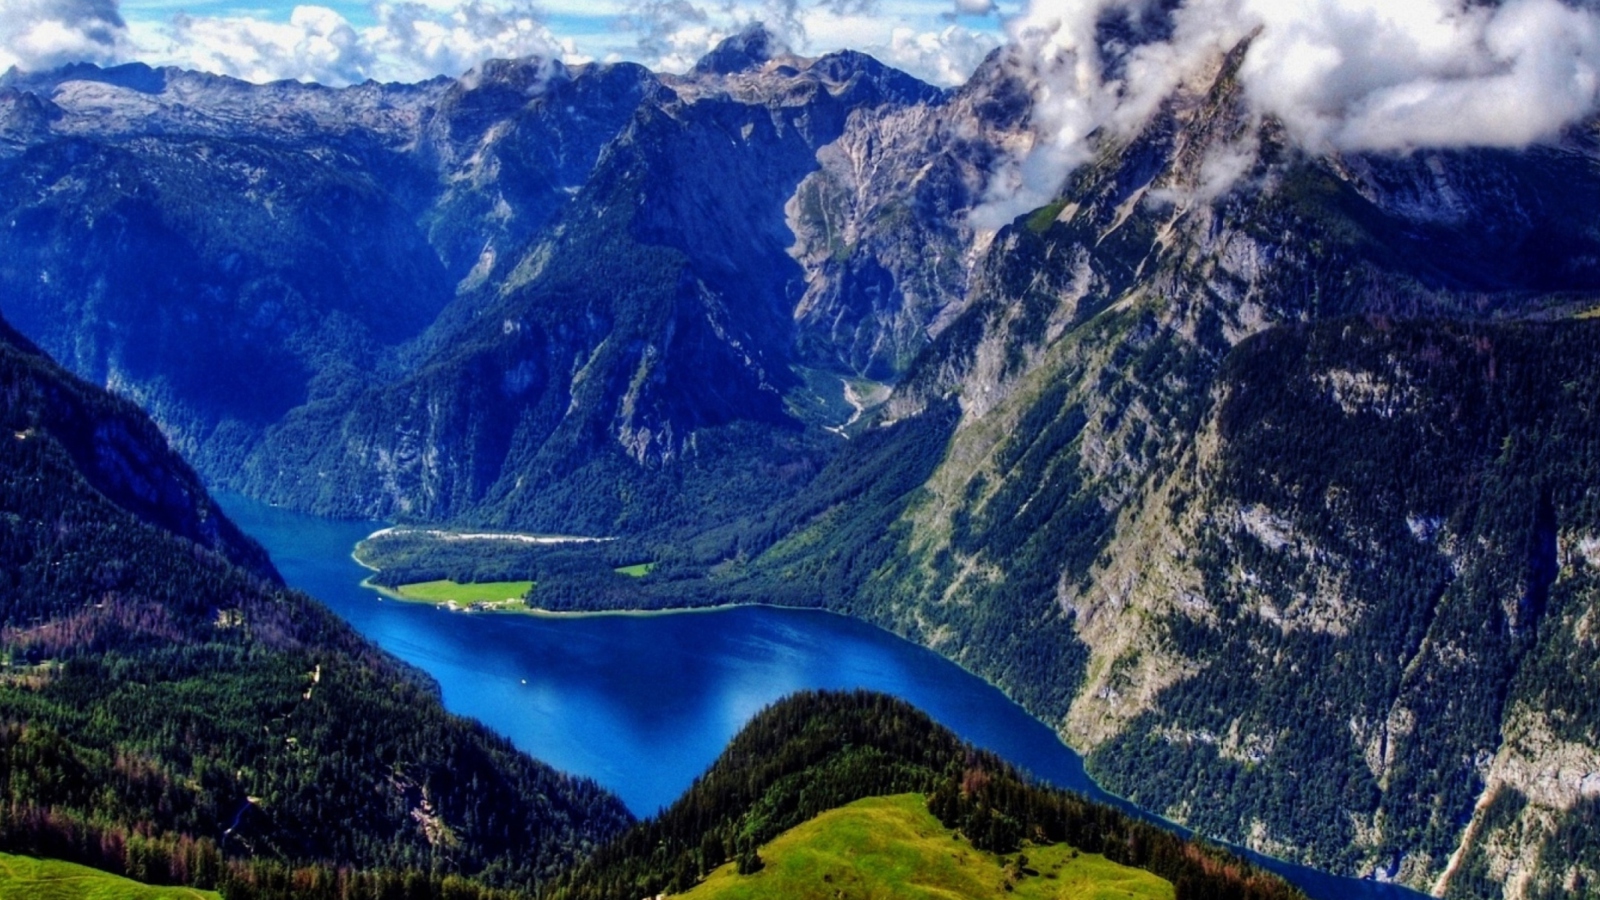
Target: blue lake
point(644, 703)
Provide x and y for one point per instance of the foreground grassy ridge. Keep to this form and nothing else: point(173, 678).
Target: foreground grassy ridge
point(497, 594)
point(893, 847)
point(27, 878)
point(819, 751)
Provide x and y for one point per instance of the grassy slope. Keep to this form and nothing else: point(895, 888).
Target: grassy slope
point(27, 878)
point(893, 847)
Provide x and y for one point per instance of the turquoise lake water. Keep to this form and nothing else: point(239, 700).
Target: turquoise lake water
point(643, 704)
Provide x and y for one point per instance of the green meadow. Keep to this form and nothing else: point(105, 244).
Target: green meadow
point(892, 847)
point(27, 878)
point(637, 571)
point(507, 595)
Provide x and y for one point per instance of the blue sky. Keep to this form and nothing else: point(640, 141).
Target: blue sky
point(344, 41)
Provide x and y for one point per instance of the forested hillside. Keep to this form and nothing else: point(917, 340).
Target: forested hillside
point(169, 714)
point(815, 752)
point(1275, 505)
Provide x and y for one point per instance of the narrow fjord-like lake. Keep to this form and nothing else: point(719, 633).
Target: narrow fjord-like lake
point(644, 703)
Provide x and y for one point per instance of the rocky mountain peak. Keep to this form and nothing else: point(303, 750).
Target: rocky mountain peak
point(528, 75)
point(751, 48)
point(24, 118)
point(133, 76)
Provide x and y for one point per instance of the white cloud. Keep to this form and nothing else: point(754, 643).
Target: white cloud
point(408, 42)
point(40, 34)
point(403, 40)
point(672, 35)
point(974, 7)
point(316, 44)
point(415, 42)
point(1342, 75)
point(1375, 76)
point(946, 57)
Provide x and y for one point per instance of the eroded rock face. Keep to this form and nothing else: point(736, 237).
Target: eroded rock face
point(388, 245)
point(881, 229)
point(1228, 503)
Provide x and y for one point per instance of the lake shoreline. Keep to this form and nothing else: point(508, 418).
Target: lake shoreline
point(539, 612)
point(590, 696)
point(1098, 792)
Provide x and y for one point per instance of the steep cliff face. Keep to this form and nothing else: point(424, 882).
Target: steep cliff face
point(513, 142)
point(1377, 559)
point(1242, 504)
point(440, 300)
point(118, 452)
point(645, 339)
point(221, 280)
point(881, 228)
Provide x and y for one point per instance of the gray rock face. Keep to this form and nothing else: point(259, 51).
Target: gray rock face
point(137, 100)
point(657, 305)
point(1198, 483)
point(881, 227)
point(749, 49)
point(308, 247)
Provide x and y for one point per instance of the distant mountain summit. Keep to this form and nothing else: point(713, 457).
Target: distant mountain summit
point(135, 76)
point(389, 246)
point(751, 48)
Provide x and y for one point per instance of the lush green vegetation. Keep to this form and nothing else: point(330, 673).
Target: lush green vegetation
point(405, 556)
point(893, 847)
point(1441, 515)
point(637, 570)
point(1045, 216)
point(492, 595)
point(28, 878)
point(177, 719)
point(816, 752)
point(168, 715)
point(847, 513)
point(1430, 471)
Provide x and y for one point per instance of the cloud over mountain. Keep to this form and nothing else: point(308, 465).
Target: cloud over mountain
point(1341, 75)
point(409, 40)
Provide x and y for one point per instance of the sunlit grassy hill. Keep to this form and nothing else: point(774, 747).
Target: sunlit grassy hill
point(885, 847)
point(27, 878)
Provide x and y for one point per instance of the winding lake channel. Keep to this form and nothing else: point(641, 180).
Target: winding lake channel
point(644, 703)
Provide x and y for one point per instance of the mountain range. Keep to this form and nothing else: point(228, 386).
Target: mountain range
point(1269, 493)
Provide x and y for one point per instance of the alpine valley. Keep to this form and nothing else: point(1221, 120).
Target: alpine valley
point(1274, 496)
